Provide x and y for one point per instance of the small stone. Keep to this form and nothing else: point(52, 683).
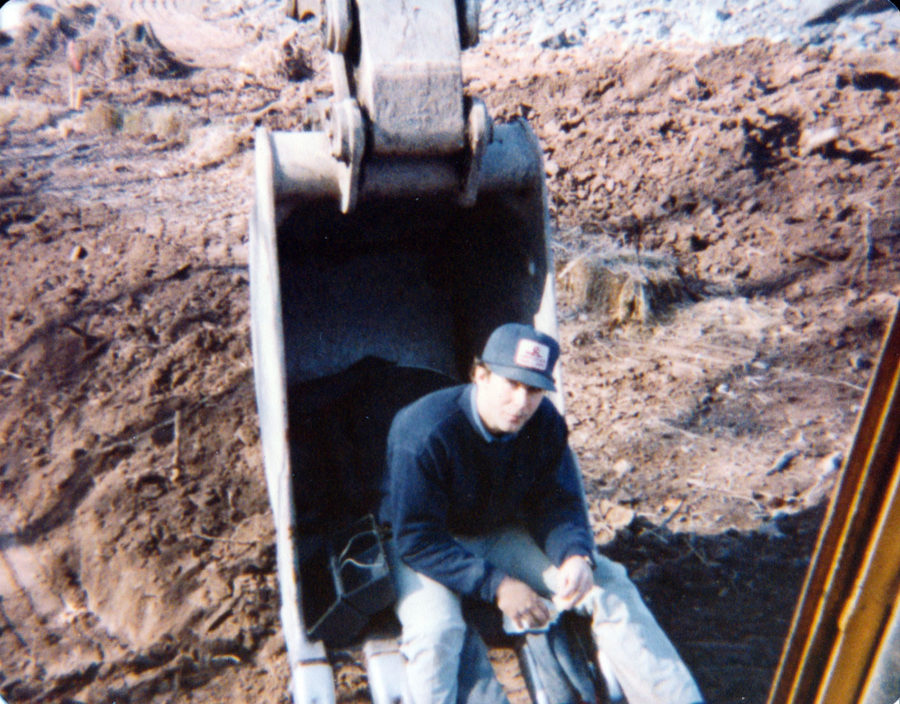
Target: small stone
point(860, 362)
point(618, 516)
point(78, 252)
point(770, 529)
point(623, 467)
point(783, 462)
point(831, 464)
point(671, 504)
point(583, 338)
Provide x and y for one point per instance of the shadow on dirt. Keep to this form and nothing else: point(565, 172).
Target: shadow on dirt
point(62, 360)
point(834, 11)
point(89, 465)
point(725, 599)
point(767, 140)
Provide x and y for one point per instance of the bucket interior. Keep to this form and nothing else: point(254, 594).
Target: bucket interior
point(380, 307)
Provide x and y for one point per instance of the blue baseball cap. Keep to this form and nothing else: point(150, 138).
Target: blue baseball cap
point(521, 353)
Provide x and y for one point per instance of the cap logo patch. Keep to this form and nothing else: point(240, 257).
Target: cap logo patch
point(532, 355)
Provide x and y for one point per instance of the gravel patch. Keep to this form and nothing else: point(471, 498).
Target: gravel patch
point(864, 24)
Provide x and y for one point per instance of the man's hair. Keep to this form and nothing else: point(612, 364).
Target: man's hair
point(477, 362)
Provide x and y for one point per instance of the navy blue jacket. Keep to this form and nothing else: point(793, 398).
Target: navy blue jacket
point(446, 478)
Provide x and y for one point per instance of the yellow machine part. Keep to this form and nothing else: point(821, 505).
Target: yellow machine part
point(845, 637)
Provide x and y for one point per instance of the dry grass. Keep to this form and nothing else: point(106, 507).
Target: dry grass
point(622, 286)
point(24, 115)
point(163, 123)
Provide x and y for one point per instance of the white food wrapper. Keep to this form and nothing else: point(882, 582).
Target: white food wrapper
point(514, 628)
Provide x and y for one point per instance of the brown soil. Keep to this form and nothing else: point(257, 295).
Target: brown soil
point(137, 556)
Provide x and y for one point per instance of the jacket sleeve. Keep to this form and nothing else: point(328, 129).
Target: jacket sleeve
point(557, 515)
point(418, 514)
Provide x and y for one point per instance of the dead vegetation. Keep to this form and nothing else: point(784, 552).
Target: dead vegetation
point(622, 287)
point(136, 51)
point(105, 43)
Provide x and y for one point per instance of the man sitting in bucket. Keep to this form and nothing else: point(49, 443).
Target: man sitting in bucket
point(484, 501)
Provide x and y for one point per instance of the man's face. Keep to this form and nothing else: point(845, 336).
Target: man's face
point(503, 404)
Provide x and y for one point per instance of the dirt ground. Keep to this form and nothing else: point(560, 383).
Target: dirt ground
point(137, 545)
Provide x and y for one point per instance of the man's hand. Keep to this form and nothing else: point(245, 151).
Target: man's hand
point(575, 579)
point(521, 603)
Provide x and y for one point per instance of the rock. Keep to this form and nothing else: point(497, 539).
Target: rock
point(860, 362)
point(771, 529)
point(582, 338)
point(212, 145)
point(17, 18)
point(672, 504)
point(616, 516)
point(816, 494)
point(831, 464)
point(78, 252)
point(823, 486)
point(623, 467)
point(619, 516)
point(12, 16)
point(813, 140)
point(783, 462)
point(301, 10)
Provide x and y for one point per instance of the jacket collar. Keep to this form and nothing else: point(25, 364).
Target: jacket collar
point(470, 408)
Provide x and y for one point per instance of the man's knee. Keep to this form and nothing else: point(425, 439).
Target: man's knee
point(439, 641)
point(607, 571)
point(614, 598)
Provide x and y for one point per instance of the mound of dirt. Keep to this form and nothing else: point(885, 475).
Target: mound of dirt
point(136, 544)
point(136, 50)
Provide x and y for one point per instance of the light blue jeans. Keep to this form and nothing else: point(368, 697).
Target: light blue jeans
point(643, 660)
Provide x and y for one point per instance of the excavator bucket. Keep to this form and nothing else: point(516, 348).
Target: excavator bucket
point(383, 251)
point(354, 316)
